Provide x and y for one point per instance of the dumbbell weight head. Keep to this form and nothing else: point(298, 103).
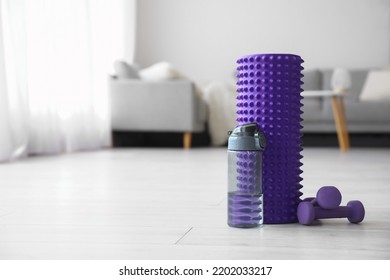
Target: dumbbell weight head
point(357, 212)
point(310, 199)
point(328, 197)
point(307, 213)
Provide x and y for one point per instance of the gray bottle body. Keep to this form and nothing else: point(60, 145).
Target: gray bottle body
point(245, 197)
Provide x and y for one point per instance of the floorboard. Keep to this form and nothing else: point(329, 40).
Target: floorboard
point(171, 204)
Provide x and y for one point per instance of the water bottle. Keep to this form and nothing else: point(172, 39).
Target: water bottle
point(245, 197)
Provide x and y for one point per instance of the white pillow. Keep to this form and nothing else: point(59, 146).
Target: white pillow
point(160, 71)
point(123, 70)
point(376, 87)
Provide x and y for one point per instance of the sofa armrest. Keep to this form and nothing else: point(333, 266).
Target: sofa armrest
point(140, 105)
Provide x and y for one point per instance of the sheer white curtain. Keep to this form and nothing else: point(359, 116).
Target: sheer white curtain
point(55, 56)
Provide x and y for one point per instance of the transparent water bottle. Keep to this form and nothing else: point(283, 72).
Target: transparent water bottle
point(245, 197)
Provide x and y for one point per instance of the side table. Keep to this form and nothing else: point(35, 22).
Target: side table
point(338, 114)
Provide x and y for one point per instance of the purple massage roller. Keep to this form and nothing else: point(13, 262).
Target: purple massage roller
point(269, 87)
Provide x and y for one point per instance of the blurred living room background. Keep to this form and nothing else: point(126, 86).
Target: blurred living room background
point(114, 117)
point(79, 75)
point(201, 43)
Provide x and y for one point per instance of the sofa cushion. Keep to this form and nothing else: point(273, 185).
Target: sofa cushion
point(160, 71)
point(377, 87)
point(311, 105)
point(311, 79)
point(123, 70)
point(367, 112)
point(312, 109)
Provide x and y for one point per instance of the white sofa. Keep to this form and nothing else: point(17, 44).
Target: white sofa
point(362, 116)
point(157, 106)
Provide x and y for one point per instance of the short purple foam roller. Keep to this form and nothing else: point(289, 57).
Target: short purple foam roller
point(245, 206)
point(269, 87)
point(245, 210)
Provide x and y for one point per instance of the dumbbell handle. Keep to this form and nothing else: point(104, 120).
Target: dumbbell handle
point(339, 212)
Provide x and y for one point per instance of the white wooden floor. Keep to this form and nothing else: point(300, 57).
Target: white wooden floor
point(171, 204)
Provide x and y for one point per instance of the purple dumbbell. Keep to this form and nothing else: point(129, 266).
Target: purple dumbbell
point(307, 213)
point(328, 197)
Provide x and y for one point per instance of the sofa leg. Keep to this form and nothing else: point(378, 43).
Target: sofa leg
point(187, 138)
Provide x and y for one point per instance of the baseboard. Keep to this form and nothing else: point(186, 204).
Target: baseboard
point(170, 140)
point(123, 139)
point(357, 140)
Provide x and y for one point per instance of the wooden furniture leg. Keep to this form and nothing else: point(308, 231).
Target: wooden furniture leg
point(344, 122)
point(340, 122)
point(187, 138)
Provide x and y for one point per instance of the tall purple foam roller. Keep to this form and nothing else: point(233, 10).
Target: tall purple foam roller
point(269, 87)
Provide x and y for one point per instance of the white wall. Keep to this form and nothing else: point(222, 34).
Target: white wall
point(130, 11)
point(203, 38)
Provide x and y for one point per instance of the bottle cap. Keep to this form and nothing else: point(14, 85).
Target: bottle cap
point(246, 137)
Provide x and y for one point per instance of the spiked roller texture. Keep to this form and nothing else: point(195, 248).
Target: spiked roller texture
point(269, 87)
point(245, 205)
